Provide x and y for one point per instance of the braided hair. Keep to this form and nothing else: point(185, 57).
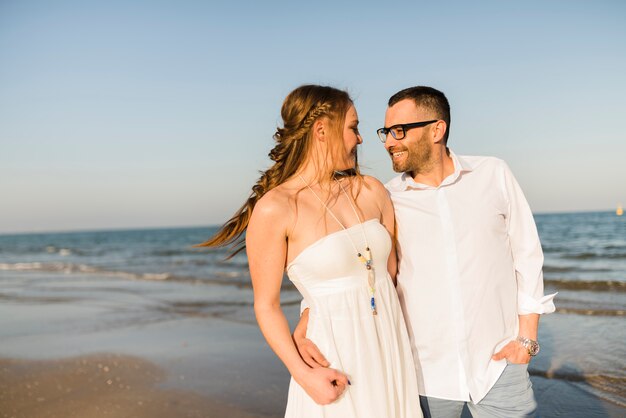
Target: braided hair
point(301, 108)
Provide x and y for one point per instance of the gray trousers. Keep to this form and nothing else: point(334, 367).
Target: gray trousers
point(511, 397)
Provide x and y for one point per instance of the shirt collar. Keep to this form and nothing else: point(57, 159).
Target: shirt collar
point(460, 165)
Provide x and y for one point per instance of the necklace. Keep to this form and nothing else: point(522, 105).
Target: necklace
point(364, 257)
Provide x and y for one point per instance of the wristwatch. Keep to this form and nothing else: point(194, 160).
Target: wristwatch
point(531, 345)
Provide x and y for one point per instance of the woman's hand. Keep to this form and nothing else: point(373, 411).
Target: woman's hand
point(323, 385)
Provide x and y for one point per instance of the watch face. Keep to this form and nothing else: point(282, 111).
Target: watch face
point(533, 348)
point(531, 345)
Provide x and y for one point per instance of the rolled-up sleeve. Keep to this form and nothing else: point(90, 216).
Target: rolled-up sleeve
point(526, 249)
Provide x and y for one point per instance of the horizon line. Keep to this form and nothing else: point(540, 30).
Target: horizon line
point(196, 226)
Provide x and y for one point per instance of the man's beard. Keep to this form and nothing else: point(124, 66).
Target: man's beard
point(417, 160)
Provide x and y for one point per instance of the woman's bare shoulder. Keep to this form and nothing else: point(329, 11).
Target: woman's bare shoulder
point(373, 184)
point(271, 203)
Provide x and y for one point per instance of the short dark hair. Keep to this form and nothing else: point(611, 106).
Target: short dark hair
point(429, 98)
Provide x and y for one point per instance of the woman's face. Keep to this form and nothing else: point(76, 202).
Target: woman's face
point(351, 138)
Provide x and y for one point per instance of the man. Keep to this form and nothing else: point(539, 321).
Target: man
point(469, 277)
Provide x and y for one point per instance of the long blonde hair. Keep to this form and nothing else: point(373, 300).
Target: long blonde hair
point(301, 108)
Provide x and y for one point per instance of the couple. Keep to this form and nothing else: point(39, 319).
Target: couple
point(460, 324)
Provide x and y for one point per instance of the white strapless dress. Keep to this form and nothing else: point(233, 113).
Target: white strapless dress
point(372, 350)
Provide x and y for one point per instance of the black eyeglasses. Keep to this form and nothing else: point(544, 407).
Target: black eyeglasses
point(399, 131)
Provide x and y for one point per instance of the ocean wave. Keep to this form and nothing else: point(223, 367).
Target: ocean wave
point(605, 385)
point(566, 269)
point(49, 249)
point(590, 256)
point(576, 376)
point(49, 267)
point(173, 252)
point(553, 269)
point(69, 268)
point(592, 312)
point(241, 277)
point(613, 247)
point(232, 278)
point(596, 285)
point(234, 263)
point(156, 276)
point(62, 251)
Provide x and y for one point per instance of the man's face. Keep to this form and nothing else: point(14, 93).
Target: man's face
point(413, 152)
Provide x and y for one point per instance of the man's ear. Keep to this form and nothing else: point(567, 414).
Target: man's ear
point(439, 131)
point(319, 130)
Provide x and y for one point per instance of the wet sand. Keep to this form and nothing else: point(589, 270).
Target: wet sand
point(105, 385)
point(92, 347)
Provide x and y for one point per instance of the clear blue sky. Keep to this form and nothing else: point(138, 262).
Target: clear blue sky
point(160, 113)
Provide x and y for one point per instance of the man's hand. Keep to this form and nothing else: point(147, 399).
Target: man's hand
point(310, 353)
point(307, 349)
point(514, 352)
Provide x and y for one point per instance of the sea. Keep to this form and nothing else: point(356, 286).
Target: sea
point(583, 343)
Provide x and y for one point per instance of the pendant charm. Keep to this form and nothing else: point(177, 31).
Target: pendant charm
point(367, 259)
point(373, 304)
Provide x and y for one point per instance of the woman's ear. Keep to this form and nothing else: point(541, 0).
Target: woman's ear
point(319, 130)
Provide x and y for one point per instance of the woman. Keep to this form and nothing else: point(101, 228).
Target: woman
point(313, 215)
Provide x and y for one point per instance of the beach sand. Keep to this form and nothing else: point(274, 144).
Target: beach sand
point(91, 347)
point(105, 385)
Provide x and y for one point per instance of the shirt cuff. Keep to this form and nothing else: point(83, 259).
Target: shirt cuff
point(526, 304)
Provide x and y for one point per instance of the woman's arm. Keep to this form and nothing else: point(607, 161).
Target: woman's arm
point(266, 244)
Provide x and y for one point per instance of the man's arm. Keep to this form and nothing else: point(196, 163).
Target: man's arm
point(526, 250)
point(528, 261)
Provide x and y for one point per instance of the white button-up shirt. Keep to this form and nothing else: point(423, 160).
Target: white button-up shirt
point(470, 263)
